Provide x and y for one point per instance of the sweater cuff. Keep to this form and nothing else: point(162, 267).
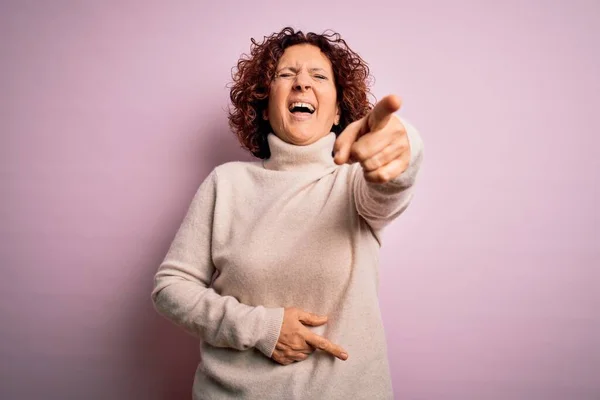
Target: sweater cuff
point(272, 329)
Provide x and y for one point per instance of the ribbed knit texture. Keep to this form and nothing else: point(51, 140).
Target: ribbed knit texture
point(295, 230)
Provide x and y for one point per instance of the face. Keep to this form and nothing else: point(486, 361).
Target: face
point(302, 98)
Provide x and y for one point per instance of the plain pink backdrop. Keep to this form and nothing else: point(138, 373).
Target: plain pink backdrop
point(113, 112)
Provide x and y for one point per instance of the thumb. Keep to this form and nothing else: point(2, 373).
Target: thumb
point(311, 319)
point(344, 142)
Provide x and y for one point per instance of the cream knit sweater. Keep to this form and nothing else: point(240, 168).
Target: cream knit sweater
point(296, 230)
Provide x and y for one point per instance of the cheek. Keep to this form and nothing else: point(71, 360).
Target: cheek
point(328, 102)
point(273, 102)
point(277, 98)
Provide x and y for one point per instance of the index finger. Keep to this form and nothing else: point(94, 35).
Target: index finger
point(321, 343)
point(345, 140)
point(383, 111)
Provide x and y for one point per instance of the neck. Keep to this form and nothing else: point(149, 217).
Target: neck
point(290, 157)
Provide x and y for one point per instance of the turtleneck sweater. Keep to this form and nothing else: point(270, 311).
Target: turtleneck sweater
point(294, 230)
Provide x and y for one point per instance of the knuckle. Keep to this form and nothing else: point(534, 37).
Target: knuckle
point(323, 344)
point(359, 152)
point(298, 347)
point(376, 162)
point(383, 176)
point(288, 354)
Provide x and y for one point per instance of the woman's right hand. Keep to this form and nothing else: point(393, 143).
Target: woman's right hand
point(296, 341)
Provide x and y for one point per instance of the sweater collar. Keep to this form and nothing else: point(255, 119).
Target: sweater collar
point(289, 157)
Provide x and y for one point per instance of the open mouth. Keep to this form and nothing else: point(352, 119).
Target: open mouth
point(297, 108)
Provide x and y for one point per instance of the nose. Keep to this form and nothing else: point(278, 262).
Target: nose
point(302, 82)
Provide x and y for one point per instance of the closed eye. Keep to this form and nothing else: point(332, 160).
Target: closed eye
point(320, 77)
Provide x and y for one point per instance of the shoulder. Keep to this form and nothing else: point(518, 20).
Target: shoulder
point(224, 177)
point(236, 166)
point(234, 170)
point(230, 174)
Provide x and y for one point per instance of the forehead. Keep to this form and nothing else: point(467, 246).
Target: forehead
point(304, 54)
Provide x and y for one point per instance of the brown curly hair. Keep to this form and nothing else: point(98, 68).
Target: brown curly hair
point(249, 92)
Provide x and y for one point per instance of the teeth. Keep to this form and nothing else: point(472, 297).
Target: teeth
point(307, 105)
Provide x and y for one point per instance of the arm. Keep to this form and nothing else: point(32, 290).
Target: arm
point(182, 294)
point(380, 203)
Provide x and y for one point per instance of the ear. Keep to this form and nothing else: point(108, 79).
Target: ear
point(336, 120)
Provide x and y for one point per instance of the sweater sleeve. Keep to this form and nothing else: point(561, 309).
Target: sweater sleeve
point(182, 291)
point(379, 204)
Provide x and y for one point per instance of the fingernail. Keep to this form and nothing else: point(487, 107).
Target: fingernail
point(344, 356)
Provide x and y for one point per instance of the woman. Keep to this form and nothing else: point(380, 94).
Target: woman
point(275, 266)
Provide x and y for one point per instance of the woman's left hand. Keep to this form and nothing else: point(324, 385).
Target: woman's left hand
point(377, 141)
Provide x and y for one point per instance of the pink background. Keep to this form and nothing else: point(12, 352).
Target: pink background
point(112, 113)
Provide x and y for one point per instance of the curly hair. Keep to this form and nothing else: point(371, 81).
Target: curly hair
point(249, 92)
